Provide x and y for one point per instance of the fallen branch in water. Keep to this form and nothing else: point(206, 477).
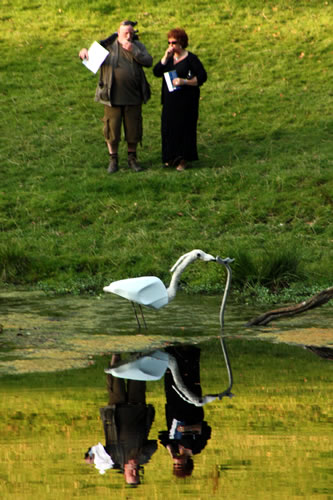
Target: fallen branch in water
point(322, 352)
point(316, 301)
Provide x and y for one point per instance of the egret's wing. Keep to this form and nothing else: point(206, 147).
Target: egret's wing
point(147, 290)
point(149, 367)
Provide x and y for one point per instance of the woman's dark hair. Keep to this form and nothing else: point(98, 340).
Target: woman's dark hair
point(180, 35)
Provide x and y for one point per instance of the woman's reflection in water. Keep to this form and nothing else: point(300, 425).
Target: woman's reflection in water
point(187, 433)
point(127, 421)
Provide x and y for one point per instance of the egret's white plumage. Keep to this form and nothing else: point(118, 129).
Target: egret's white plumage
point(148, 291)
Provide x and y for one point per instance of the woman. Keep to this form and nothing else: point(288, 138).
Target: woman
point(181, 106)
point(187, 432)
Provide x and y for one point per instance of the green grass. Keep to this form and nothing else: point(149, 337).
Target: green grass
point(262, 191)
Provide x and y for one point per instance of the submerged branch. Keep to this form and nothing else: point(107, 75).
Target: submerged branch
point(316, 301)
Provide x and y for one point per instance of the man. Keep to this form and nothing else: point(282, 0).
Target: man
point(122, 88)
point(127, 421)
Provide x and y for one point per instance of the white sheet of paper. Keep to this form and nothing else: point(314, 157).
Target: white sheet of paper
point(97, 54)
point(170, 86)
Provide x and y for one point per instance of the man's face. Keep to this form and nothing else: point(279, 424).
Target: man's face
point(125, 33)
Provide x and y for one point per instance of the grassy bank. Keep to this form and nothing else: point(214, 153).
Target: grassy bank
point(262, 191)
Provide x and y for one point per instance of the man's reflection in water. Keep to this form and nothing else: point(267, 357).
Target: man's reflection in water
point(187, 432)
point(127, 421)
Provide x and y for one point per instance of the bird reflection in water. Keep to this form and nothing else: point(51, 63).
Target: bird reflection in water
point(187, 432)
point(127, 421)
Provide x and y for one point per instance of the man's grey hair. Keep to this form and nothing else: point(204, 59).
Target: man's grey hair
point(128, 23)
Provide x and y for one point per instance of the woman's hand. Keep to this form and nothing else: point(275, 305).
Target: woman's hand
point(171, 451)
point(179, 82)
point(190, 428)
point(168, 53)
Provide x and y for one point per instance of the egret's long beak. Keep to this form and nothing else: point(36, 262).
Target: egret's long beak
point(225, 261)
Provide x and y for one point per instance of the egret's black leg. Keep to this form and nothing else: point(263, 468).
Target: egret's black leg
point(136, 315)
point(142, 315)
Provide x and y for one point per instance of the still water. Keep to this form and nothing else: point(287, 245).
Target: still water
point(273, 439)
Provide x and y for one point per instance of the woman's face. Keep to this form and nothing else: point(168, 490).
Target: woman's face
point(174, 44)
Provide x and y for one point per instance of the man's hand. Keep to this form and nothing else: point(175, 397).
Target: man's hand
point(83, 54)
point(127, 45)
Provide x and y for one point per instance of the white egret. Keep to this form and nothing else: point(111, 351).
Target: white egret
point(150, 291)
